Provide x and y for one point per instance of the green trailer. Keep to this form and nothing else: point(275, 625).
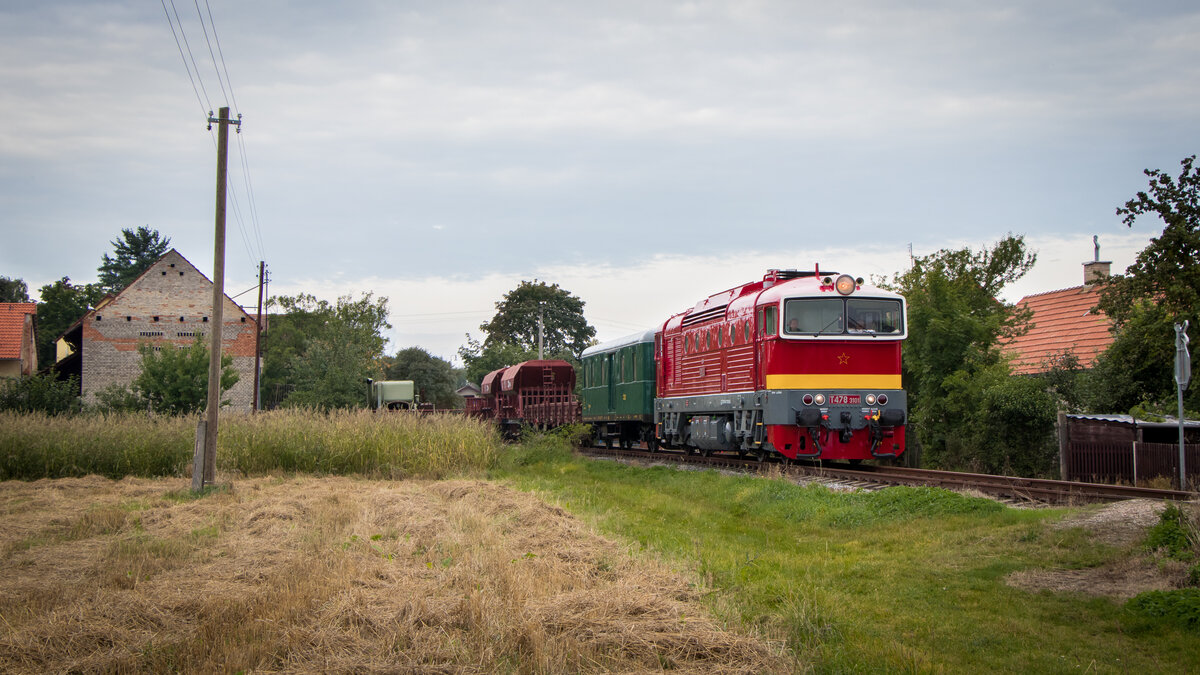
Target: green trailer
point(392, 394)
point(618, 390)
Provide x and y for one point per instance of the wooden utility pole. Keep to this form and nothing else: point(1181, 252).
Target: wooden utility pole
point(262, 270)
point(204, 466)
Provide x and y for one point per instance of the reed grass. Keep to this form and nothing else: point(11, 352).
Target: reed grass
point(34, 446)
point(379, 445)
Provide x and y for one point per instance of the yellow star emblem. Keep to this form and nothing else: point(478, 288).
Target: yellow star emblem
point(843, 359)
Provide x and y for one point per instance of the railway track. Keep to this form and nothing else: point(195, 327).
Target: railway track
point(871, 477)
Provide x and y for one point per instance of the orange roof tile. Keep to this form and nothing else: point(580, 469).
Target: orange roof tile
point(12, 327)
point(1062, 321)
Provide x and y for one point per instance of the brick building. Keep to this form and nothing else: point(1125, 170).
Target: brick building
point(18, 346)
point(171, 302)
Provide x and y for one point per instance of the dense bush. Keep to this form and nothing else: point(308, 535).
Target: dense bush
point(40, 393)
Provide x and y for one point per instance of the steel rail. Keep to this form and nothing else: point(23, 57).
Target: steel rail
point(1009, 487)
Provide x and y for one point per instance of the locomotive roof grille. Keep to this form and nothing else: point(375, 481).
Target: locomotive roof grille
point(706, 315)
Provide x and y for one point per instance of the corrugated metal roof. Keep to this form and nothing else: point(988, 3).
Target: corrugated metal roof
point(12, 327)
point(1132, 421)
point(1062, 321)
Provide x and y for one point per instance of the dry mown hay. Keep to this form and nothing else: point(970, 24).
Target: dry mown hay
point(336, 574)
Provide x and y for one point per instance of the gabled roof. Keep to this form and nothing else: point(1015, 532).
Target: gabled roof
point(110, 298)
point(12, 327)
point(1062, 321)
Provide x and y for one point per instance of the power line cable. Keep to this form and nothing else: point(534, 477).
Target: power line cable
point(227, 89)
point(211, 55)
point(183, 33)
point(182, 57)
point(250, 196)
point(213, 23)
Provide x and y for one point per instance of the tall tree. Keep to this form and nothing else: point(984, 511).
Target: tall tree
point(1161, 288)
point(133, 252)
point(433, 377)
point(955, 324)
point(13, 290)
point(517, 316)
point(481, 359)
point(318, 353)
point(62, 304)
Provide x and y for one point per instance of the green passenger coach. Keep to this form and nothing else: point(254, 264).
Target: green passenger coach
point(618, 389)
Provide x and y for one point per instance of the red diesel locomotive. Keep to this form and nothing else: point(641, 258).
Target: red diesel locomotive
point(805, 364)
point(802, 363)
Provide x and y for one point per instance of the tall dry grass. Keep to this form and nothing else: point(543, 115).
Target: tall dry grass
point(35, 445)
point(380, 445)
point(383, 445)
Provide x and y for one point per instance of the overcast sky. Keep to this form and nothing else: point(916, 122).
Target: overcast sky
point(641, 154)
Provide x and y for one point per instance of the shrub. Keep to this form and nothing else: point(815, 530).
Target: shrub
point(40, 393)
point(1181, 607)
point(1173, 535)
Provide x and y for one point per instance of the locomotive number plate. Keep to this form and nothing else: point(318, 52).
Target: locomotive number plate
point(844, 399)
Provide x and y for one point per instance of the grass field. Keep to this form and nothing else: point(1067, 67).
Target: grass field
point(291, 567)
point(901, 580)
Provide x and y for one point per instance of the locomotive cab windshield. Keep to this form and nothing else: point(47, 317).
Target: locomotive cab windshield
point(816, 317)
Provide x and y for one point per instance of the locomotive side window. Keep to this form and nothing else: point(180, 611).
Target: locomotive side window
point(747, 326)
point(770, 320)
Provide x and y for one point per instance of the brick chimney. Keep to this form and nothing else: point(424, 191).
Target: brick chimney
point(1096, 269)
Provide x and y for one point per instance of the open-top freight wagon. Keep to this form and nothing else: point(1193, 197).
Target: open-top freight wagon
point(538, 394)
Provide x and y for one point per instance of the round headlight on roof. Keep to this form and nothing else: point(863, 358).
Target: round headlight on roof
point(845, 284)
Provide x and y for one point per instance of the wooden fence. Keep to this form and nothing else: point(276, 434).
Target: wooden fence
point(1129, 463)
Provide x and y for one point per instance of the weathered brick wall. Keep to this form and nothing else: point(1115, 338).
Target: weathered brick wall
point(170, 303)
